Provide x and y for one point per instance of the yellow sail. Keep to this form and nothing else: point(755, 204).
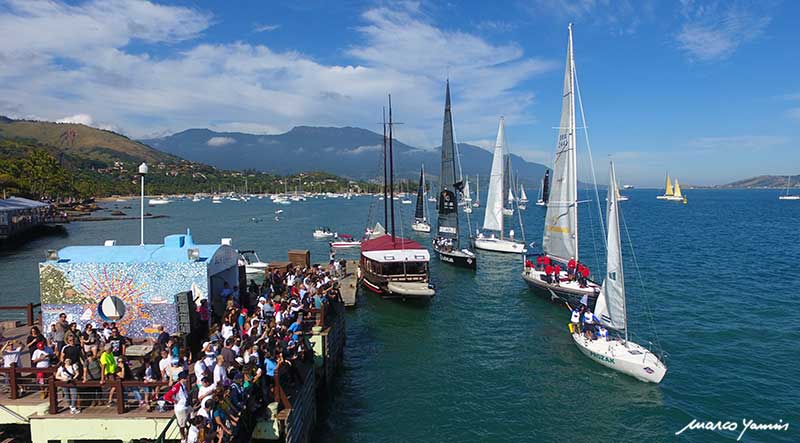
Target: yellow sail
point(677, 189)
point(668, 187)
point(616, 190)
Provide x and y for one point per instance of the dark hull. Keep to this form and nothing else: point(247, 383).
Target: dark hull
point(559, 294)
point(457, 258)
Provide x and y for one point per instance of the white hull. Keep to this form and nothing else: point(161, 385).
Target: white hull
point(406, 202)
point(345, 244)
point(421, 227)
point(157, 202)
point(540, 203)
point(671, 198)
point(626, 357)
point(320, 234)
point(499, 245)
point(256, 268)
point(508, 212)
point(789, 197)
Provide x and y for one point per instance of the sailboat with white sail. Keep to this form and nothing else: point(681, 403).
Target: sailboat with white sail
point(788, 196)
point(560, 238)
point(523, 198)
point(447, 244)
point(617, 352)
point(544, 190)
point(477, 202)
point(421, 223)
point(467, 197)
point(671, 193)
point(493, 217)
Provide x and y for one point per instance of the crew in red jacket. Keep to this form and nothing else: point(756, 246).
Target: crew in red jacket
point(571, 265)
point(548, 270)
point(540, 262)
point(557, 274)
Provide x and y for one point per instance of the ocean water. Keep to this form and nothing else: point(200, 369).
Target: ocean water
point(487, 360)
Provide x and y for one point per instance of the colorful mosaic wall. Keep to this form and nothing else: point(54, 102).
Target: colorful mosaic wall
point(138, 297)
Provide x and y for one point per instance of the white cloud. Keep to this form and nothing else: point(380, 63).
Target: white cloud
point(83, 48)
point(363, 149)
point(265, 28)
point(83, 119)
point(220, 141)
point(713, 31)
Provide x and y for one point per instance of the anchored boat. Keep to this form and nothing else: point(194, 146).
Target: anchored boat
point(544, 190)
point(252, 264)
point(560, 238)
point(617, 352)
point(421, 223)
point(787, 196)
point(447, 244)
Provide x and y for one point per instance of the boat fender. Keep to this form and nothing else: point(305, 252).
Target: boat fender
point(571, 328)
point(431, 286)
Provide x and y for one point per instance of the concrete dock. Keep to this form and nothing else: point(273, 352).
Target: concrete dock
point(348, 285)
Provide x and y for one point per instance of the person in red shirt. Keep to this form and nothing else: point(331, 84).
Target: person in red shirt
point(546, 260)
point(540, 262)
point(548, 270)
point(557, 273)
point(528, 263)
point(584, 275)
point(571, 265)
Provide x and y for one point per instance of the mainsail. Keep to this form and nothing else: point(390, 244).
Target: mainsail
point(677, 189)
point(448, 203)
point(522, 196)
point(560, 238)
point(546, 186)
point(668, 187)
point(493, 217)
point(507, 179)
point(467, 196)
point(610, 308)
point(419, 213)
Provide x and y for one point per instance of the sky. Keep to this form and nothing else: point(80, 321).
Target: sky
point(707, 91)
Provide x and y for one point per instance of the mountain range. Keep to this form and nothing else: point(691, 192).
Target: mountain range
point(348, 151)
point(765, 181)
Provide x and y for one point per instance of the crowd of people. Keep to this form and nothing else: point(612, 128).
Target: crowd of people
point(259, 335)
point(585, 322)
point(575, 270)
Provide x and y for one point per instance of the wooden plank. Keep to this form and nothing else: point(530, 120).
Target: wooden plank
point(349, 284)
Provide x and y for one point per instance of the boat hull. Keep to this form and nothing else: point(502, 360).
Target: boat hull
point(457, 258)
point(405, 290)
point(626, 357)
point(789, 197)
point(563, 293)
point(671, 198)
point(499, 245)
point(421, 227)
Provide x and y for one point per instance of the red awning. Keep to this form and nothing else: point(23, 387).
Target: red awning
point(385, 243)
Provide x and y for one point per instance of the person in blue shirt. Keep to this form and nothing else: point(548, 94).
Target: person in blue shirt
point(296, 328)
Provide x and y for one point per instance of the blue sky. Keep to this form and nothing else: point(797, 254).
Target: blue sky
point(709, 91)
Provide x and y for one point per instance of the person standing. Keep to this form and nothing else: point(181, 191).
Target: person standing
point(60, 331)
point(571, 266)
point(41, 359)
point(557, 274)
point(178, 395)
point(108, 374)
point(67, 372)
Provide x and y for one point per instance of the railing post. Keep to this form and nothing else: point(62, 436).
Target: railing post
point(12, 376)
point(30, 314)
point(51, 389)
point(120, 394)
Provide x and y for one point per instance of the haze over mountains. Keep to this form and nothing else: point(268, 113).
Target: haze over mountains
point(350, 152)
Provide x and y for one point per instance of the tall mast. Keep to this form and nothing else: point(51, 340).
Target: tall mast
point(385, 202)
point(391, 166)
point(573, 142)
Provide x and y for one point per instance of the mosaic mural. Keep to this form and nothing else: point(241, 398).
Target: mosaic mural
point(137, 296)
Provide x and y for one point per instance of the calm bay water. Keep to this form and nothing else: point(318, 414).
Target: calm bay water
point(486, 360)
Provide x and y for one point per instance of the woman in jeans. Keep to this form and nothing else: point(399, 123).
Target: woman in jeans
point(67, 372)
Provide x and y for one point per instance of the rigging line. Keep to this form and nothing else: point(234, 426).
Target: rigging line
point(460, 175)
point(516, 200)
point(645, 298)
point(589, 149)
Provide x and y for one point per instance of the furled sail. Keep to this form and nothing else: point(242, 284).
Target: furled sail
point(610, 307)
point(419, 213)
point(560, 238)
point(447, 223)
point(493, 217)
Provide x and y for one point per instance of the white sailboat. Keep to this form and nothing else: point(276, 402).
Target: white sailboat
point(493, 217)
point(544, 190)
point(467, 197)
point(560, 237)
point(523, 199)
point(620, 197)
point(618, 352)
point(787, 196)
point(158, 201)
point(509, 210)
point(421, 223)
point(671, 193)
point(477, 202)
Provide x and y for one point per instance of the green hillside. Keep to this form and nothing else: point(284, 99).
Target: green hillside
point(82, 141)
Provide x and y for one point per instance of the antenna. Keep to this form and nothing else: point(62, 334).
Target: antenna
point(385, 201)
point(391, 166)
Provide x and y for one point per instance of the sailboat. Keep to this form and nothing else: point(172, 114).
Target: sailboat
point(670, 193)
point(467, 197)
point(447, 242)
point(618, 352)
point(420, 219)
point(560, 238)
point(405, 200)
point(523, 199)
point(786, 196)
point(477, 202)
point(392, 266)
point(544, 190)
point(620, 197)
point(493, 217)
point(508, 189)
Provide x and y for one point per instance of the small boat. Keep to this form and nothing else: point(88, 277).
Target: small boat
point(196, 199)
point(252, 264)
point(671, 193)
point(618, 352)
point(627, 187)
point(447, 243)
point(420, 214)
point(345, 241)
point(323, 232)
point(279, 211)
point(158, 201)
point(787, 196)
point(620, 197)
point(560, 237)
point(493, 217)
point(523, 199)
point(544, 190)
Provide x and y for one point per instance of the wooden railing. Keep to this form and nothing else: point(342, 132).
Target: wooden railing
point(14, 374)
point(118, 384)
point(29, 311)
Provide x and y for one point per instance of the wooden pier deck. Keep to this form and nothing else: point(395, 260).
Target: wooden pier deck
point(348, 285)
